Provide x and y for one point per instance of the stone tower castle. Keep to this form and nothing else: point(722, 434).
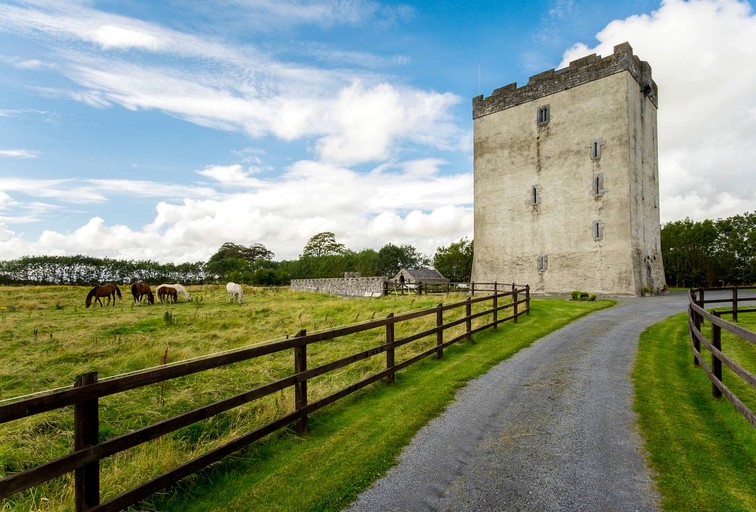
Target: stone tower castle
point(567, 179)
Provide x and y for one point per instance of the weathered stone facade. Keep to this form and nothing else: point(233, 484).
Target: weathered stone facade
point(567, 182)
point(345, 287)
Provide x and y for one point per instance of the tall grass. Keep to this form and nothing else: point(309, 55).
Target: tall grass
point(50, 338)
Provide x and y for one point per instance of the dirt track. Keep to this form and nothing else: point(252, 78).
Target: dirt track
point(550, 429)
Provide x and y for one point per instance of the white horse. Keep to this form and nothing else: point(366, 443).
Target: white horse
point(235, 292)
point(179, 289)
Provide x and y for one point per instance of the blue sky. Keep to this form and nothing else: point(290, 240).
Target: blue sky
point(160, 130)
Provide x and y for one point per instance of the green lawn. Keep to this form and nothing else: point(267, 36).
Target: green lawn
point(702, 450)
point(358, 439)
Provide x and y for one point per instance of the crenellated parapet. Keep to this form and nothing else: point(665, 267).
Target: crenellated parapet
point(580, 71)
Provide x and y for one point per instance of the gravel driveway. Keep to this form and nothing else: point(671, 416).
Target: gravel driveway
point(552, 428)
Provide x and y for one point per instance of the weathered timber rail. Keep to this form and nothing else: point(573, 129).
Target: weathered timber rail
point(84, 461)
point(697, 315)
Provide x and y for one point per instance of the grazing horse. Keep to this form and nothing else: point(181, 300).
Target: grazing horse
point(166, 293)
point(235, 292)
point(139, 290)
point(103, 290)
point(179, 289)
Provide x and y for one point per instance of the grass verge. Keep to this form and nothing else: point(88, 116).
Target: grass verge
point(358, 439)
point(702, 450)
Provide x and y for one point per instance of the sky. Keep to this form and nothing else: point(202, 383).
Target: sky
point(144, 130)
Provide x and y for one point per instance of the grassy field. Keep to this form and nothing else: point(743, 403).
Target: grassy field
point(702, 449)
point(48, 337)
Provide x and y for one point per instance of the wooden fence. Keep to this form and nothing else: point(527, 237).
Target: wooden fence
point(697, 315)
point(84, 461)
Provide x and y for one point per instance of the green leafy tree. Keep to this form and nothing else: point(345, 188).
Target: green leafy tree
point(365, 262)
point(455, 261)
point(392, 258)
point(323, 244)
point(233, 262)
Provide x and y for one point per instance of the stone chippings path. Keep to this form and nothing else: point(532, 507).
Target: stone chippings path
point(551, 429)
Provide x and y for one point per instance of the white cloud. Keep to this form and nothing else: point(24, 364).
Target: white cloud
point(353, 116)
point(701, 53)
point(18, 153)
point(410, 203)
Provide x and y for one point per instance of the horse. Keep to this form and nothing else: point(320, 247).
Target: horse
point(179, 289)
point(235, 292)
point(103, 290)
point(166, 293)
point(139, 290)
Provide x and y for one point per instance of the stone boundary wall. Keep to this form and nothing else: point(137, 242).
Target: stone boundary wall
point(580, 71)
point(345, 287)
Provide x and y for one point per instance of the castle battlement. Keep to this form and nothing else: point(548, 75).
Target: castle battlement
point(579, 72)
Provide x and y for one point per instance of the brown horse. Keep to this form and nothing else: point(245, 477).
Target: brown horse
point(139, 290)
point(166, 293)
point(103, 290)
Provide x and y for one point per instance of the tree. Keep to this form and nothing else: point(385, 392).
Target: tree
point(392, 258)
point(253, 254)
point(238, 263)
point(323, 244)
point(455, 261)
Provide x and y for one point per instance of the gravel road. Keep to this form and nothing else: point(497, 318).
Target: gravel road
point(552, 428)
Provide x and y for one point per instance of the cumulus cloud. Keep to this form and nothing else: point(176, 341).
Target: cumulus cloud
point(407, 203)
point(700, 52)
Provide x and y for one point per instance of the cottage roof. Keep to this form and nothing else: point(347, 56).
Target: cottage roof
point(423, 274)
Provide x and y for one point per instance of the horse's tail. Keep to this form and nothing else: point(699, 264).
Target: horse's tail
point(118, 291)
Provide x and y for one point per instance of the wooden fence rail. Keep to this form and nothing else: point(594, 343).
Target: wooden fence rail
point(84, 461)
point(697, 315)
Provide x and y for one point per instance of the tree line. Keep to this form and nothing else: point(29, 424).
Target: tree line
point(695, 253)
point(710, 253)
point(322, 256)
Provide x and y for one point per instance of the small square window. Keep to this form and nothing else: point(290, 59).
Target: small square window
point(544, 114)
point(598, 230)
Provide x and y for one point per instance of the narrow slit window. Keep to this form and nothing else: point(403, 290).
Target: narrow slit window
point(598, 184)
point(598, 230)
point(544, 115)
point(535, 195)
point(543, 263)
point(596, 150)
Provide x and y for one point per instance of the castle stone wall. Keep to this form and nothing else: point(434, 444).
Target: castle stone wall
point(345, 287)
point(581, 71)
point(537, 200)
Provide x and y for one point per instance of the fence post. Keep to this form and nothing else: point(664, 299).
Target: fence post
point(697, 327)
point(440, 331)
point(300, 388)
point(527, 299)
point(86, 434)
point(716, 363)
point(472, 288)
point(390, 350)
point(495, 307)
point(734, 303)
point(468, 320)
point(514, 302)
